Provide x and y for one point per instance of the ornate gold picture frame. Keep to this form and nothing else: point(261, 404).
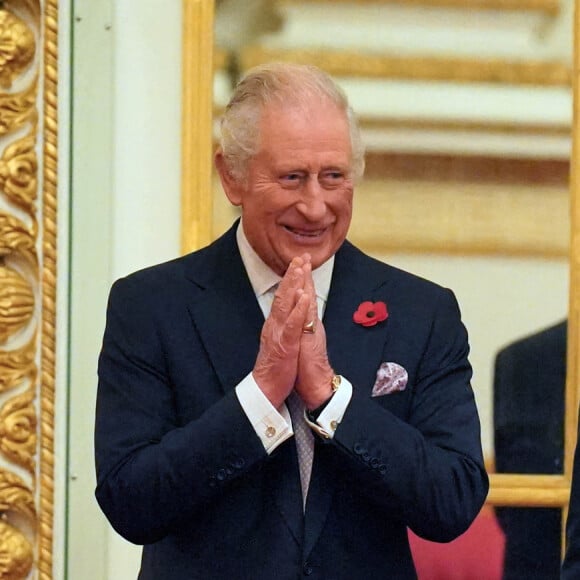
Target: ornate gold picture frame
point(28, 263)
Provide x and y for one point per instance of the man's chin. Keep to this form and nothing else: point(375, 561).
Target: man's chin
point(317, 257)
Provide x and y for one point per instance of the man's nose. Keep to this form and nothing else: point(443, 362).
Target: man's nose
point(312, 204)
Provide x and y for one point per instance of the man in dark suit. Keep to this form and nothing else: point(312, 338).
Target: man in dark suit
point(529, 384)
point(279, 404)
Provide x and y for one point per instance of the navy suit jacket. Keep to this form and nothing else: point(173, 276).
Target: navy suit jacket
point(181, 470)
point(529, 384)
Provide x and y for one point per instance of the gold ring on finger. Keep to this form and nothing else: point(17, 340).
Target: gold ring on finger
point(309, 327)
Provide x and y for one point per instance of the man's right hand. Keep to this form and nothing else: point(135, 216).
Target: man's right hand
point(277, 362)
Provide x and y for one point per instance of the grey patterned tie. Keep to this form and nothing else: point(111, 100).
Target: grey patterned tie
point(304, 441)
point(302, 433)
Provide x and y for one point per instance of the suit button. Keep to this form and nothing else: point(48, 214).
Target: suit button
point(221, 474)
point(382, 469)
point(366, 456)
point(358, 448)
point(374, 462)
point(307, 569)
point(238, 462)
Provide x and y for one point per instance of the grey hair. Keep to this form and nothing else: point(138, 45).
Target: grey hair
point(280, 84)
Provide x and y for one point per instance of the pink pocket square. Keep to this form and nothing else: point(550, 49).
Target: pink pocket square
point(391, 378)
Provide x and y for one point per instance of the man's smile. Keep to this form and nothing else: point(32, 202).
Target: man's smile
point(306, 233)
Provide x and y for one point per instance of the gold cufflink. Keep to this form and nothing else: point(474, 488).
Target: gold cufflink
point(335, 383)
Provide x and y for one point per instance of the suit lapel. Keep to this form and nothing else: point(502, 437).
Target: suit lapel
point(227, 316)
point(229, 321)
point(355, 352)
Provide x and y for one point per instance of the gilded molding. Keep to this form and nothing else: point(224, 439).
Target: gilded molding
point(196, 124)
point(16, 553)
point(28, 73)
point(424, 68)
point(505, 128)
point(18, 365)
point(15, 496)
point(549, 7)
point(18, 172)
point(17, 109)
point(17, 47)
point(49, 272)
point(17, 238)
point(18, 436)
point(573, 342)
point(16, 302)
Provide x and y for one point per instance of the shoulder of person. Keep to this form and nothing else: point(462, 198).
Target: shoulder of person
point(391, 276)
point(546, 340)
point(181, 271)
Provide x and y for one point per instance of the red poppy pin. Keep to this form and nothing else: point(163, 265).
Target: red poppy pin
point(370, 313)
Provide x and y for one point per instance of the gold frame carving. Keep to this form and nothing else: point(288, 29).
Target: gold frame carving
point(439, 125)
point(197, 107)
point(573, 353)
point(548, 7)
point(49, 271)
point(417, 68)
point(506, 489)
point(28, 260)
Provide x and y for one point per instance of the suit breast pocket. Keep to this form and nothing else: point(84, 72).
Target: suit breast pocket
point(397, 403)
point(392, 388)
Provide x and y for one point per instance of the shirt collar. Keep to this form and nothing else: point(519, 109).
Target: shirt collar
point(262, 277)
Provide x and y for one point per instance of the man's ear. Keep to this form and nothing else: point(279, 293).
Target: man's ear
point(231, 186)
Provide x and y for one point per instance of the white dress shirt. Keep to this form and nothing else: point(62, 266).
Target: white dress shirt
point(273, 426)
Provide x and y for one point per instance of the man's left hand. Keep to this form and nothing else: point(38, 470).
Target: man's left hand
point(315, 374)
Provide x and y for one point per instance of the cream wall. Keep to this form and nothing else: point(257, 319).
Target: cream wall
point(125, 215)
point(146, 165)
point(62, 298)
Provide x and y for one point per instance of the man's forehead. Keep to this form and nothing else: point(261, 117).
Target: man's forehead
point(301, 108)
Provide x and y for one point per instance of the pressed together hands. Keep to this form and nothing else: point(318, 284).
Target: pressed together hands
point(289, 357)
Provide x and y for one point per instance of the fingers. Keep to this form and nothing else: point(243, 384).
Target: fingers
point(292, 331)
point(314, 370)
point(286, 295)
point(309, 289)
point(277, 361)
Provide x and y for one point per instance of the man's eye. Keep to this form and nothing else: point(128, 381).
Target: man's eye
point(333, 176)
point(291, 179)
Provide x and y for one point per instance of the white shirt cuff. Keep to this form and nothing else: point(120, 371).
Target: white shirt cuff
point(332, 415)
point(273, 426)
